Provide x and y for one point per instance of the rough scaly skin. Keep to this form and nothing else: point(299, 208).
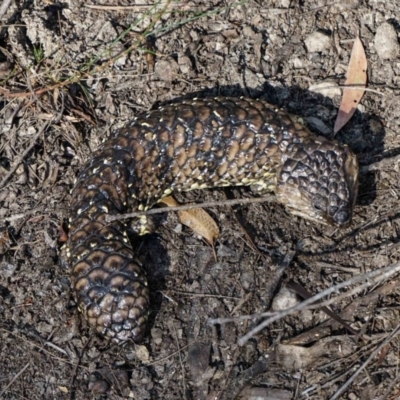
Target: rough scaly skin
point(193, 144)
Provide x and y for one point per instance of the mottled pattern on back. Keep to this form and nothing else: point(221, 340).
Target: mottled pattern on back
point(183, 146)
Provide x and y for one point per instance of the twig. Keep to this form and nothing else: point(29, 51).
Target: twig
point(355, 87)
point(300, 290)
point(392, 384)
point(320, 305)
point(243, 224)
point(393, 334)
point(264, 199)
point(83, 74)
point(219, 321)
point(170, 355)
point(365, 89)
point(214, 296)
point(55, 347)
point(4, 7)
point(150, 30)
point(271, 288)
point(350, 270)
point(76, 366)
point(25, 152)
point(41, 348)
point(336, 299)
point(15, 378)
point(380, 274)
point(377, 165)
point(44, 106)
point(140, 7)
point(181, 362)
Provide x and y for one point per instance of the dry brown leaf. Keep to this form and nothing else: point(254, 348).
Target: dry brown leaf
point(356, 76)
point(169, 201)
point(197, 219)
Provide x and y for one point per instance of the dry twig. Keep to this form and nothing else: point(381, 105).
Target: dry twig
point(391, 336)
point(14, 379)
point(264, 199)
point(372, 278)
point(25, 152)
point(4, 7)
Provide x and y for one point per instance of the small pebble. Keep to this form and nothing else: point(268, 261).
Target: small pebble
point(167, 69)
point(317, 42)
point(98, 386)
point(142, 353)
point(185, 65)
point(297, 63)
point(157, 335)
point(386, 42)
point(284, 299)
point(225, 251)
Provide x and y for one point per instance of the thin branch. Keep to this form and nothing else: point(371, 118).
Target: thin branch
point(378, 165)
point(160, 360)
point(181, 362)
point(300, 290)
point(98, 69)
point(355, 87)
point(214, 296)
point(393, 334)
point(380, 275)
point(365, 89)
point(137, 7)
point(392, 384)
point(15, 378)
point(24, 154)
point(4, 7)
point(219, 321)
point(264, 199)
point(142, 7)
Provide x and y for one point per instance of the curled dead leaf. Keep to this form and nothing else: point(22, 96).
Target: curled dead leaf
point(356, 77)
point(197, 219)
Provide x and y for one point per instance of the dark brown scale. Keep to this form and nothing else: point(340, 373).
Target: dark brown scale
point(189, 145)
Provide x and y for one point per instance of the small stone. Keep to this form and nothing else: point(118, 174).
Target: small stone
point(386, 42)
point(178, 228)
point(225, 251)
point(142, 353)
point(317, 42)
point(167, 69)
point(247, 280)
point(185, 65)
point(284, 299)
point(98, 386)
point(157, 335)
point(297, 63)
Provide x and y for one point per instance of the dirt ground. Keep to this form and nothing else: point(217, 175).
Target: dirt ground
point(70, 74)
